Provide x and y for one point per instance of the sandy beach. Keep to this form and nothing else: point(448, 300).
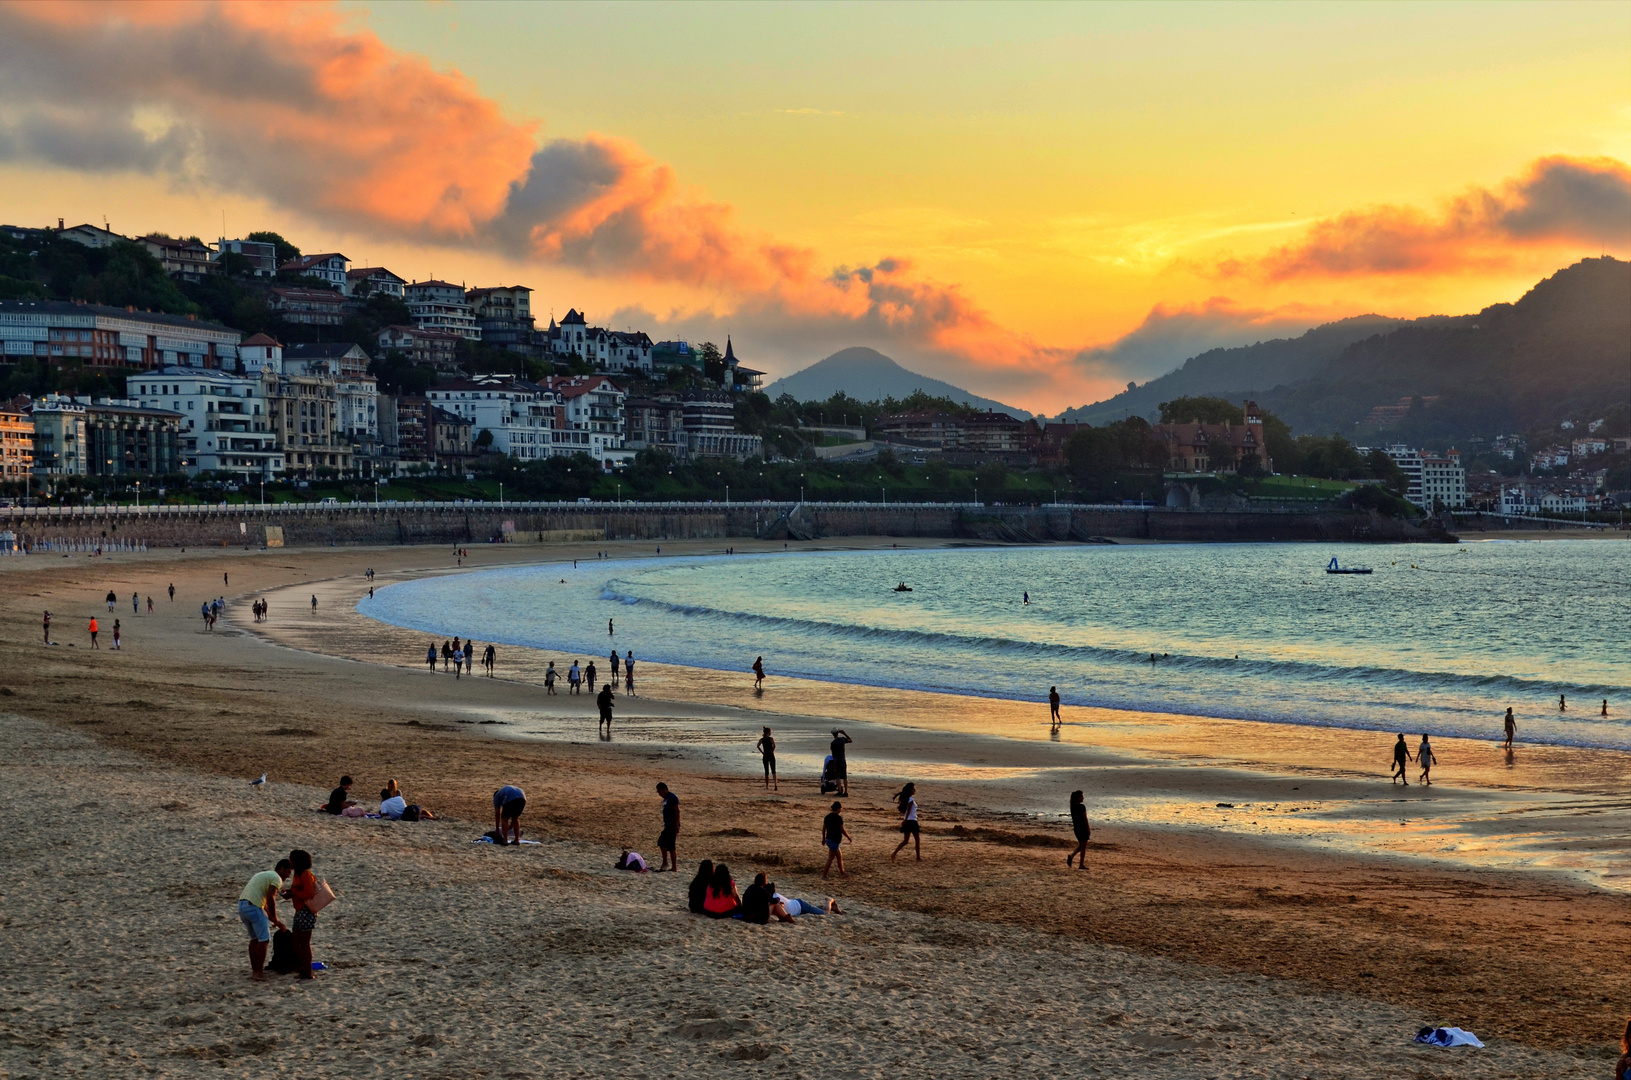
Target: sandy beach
point(1306, 930)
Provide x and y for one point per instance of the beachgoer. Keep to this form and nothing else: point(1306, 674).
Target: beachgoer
point(488, 659)
point(430, 656)
point(610, 629)
point(720, 900)
point(257, 908)
point(698, 890)
point(1401, 760)
point(906, 801)
point(1562, 699)
point(391, 789)
point(616, 661)
point(340, 797)
point(508, 802)
point(135, 603)
point(631, 860)
point(604, 701)
point(458, 662)
point(1605, 706)
point(1078, 823)
point(391, 805)
point(759, 673)
point(834, 834)
point(756, 900)
point(574, 678)
point(549, 678)
point(116, 633)
point(314, 602)
point(840, 763)
point(767, 752)
point(302, 888)
point(1027, 597)
point(172, 592)
point(47, 624)
point(1425, 758)
point(92, 629)
point(667, 839)
point(628, 673)
point(150, 605)
point(827, 782)
point(1511, 729)
point(786, 908)
point(370, 592)
point(1053, 704)
point(113, 598)
point(589, 675)
point(1622, 1070)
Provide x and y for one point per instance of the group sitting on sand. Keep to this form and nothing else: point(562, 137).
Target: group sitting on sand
point(713, 894)
point(392, 805)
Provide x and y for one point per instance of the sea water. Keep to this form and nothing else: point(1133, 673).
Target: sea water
point(1441, 638)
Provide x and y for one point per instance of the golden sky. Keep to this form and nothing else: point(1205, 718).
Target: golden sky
point(1037, 202)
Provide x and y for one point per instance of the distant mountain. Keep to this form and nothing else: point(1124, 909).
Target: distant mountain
point(1232, 372)
point(1562, 351)
point(868, 375)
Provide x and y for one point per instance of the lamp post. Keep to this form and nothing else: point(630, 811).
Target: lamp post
point(500, 493)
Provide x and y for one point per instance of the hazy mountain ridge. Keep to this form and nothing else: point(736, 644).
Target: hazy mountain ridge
point(868, 375)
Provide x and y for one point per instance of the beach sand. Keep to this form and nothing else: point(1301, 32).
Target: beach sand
point(1269, 955)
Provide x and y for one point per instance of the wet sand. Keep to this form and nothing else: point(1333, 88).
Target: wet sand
point(1529, 959)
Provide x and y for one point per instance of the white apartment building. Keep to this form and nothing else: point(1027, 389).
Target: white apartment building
point(441, 306)
point(329, 267)
point(593, 407)
point(524, 419)
point(224, 428)
point(1435, 479)
point(607, 350)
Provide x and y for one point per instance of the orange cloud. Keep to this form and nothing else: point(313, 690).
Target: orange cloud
point(1558, 200)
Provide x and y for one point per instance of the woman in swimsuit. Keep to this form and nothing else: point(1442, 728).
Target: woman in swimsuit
point(1078, 822)
point(767, 750)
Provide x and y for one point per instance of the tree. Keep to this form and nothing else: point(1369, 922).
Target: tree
point(484, 440)
point(992, 477)
point(1201, 410)
point(1384, 468)
point(1220, 455)
point(285, 250)
point(713, 362)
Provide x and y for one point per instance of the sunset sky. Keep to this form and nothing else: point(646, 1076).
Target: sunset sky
point(1039, 203)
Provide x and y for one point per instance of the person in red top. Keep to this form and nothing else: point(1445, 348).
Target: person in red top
point(94, 645)
point(302, 887)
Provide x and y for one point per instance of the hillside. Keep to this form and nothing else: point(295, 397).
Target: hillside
point(1232, 372)
point(868, 375)
point(1561, 351)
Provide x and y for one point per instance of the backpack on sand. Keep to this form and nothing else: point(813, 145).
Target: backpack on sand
point(283, 959)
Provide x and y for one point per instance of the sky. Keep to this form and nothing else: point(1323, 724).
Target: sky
point(1039, 203)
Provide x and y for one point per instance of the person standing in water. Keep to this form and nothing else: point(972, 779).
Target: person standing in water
point(1078, 824)
point(1053, 704)
point(910, 833)
point(1425, 758)
point(610, 629)
point(767, 751)
point(1605, 706)
point(1562, 703)
point(759, 674)
point(1401, 760)
point(1027, 597)
point(1511, 729)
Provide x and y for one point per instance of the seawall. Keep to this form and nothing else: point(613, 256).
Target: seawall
point(475, 523)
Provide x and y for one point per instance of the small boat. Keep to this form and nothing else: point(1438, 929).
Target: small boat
point(903, 587)
point(1332, 568)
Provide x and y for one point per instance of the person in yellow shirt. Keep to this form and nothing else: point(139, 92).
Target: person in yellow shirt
point(257, 907)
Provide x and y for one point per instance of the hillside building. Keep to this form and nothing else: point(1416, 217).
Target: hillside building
point(16, 442)
point(329, 267)
point(1195, 447)
point(62, 332)
point(441, 306)
point(224, 424)
point(504, 316)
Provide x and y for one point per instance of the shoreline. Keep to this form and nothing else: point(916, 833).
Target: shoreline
point(1413, 932)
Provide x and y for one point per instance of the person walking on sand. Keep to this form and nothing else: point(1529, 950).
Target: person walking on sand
point(1401, 761)
point(150, 605)
point(840, 763)
point(574, 678)
point(302, 888)
point(834, 834)
point(628, 674)
point(257, 908)
point(458, 662)
point(759, 673)
point(1425, 758)
point(447, 653)
point(116, 634)
point(1078, 825)
point(508, 802)
point(113, 598)
point(604, 700)
point(92, 629)
point(1053, 705)
point(549, 678)
point(47, 624)
point(1511, 729)
point(224, 578)
point(135, 603)
point(616, 660)
point(767, 753)
point(669, 837)
point(314, 603)
point(430, 657)
point(906, 802)
point(172, 592)
point(589, 675)
point(488, 659)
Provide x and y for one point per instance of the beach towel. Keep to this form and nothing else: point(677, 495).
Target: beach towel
point(1446, 1037)
point(489, 838)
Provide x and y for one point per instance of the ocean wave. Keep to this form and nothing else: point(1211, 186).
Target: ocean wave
point(1368, 675)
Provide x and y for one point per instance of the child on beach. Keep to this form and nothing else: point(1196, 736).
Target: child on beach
point(910, 833)
point(1425, 758)
point(833, 834)
point(1078, 824)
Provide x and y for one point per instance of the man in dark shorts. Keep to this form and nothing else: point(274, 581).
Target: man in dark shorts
point(508, 802)
point(1053, 704)
point(840, 762)
point(833, 834)
point(604, 700)
point(671, 829)
point(1401, 759)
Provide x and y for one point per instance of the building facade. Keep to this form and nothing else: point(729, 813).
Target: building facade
point(224, 422)
point(655, 424)
point(308, 307)
point(710, 427)
point(16, 442)
point(189, 260)
point(440, 305)
point(259, 259)
point(452, 440)
point(523, 420)
point(1196, 448)
point(503, 315)
point(64, 332)
point(122, 438)
point(428, 348)
point(365, 281)
point(329, 267)
point(59, 436)
point(304, 411)
point(1435, 480)
point(404, 428)
point(593, 408)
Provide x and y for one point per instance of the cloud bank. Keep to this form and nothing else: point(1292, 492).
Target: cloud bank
point(1170, 335)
